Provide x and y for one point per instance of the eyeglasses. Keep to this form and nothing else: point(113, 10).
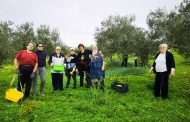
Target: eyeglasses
point(58, 49)
point(40, 46)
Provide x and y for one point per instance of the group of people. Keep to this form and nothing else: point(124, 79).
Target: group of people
point(91, 63)
point(29, 65)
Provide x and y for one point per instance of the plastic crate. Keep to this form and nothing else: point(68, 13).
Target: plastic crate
point(58, 68)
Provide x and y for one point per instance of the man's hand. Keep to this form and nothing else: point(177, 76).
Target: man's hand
point(32, 75)
point(17, 71)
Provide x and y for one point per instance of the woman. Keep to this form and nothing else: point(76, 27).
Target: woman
point(41, 70)
point(83, 65)
point(97, 67)
point(57, 61)
point(163, 66)
point(71, 68)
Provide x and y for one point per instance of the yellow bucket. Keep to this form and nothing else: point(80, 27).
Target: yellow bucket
point(13, 95)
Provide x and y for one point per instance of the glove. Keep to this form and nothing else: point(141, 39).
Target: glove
point(32, 75)
point(17, 71)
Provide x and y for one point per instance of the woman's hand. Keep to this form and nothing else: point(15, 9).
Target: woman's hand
point(172, 73)
point(103, 68)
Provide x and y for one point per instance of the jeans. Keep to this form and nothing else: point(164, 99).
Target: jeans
point(42, 72)
point(69, 79)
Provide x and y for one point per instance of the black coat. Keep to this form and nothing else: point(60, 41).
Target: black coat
point(170, 62)
point(84, 63)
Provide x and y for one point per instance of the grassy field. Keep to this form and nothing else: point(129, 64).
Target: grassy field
point(83, 104)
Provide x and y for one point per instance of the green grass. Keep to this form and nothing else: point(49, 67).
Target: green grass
point(83, 104)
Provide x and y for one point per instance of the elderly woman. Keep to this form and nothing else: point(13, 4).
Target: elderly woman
point(57, 63)
point(97, 67)
point(163, 66)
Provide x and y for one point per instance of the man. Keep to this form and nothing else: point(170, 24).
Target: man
point(83, 65)
point(57, 59)
point(163, 66)
point(125, 61)
point(26, 63)
point(41, 70)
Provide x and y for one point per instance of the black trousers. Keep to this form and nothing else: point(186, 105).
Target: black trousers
point(124, 63)
point(161, 84)
point(57, 81)
point(88, 81)
point(24, 78)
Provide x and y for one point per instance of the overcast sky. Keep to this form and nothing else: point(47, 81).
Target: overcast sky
point(76, 20)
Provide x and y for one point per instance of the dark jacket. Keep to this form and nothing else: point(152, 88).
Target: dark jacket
point(72, 62)
point(41, 58)
point(83, 60)
point(170, 62)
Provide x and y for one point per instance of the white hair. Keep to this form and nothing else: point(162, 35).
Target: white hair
point(95, 46)
point(163, 45)
point(72, 49)
point(58, 47)
point(94, 49)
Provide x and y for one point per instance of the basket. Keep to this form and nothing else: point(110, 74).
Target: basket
point(119, 87)
point(58, 68)
point(13, 95)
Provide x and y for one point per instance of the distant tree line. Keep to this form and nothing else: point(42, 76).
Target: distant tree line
point(118, 35)
point(13, 39)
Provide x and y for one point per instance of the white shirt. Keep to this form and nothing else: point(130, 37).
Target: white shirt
point(161, 63)
point(57, 61)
